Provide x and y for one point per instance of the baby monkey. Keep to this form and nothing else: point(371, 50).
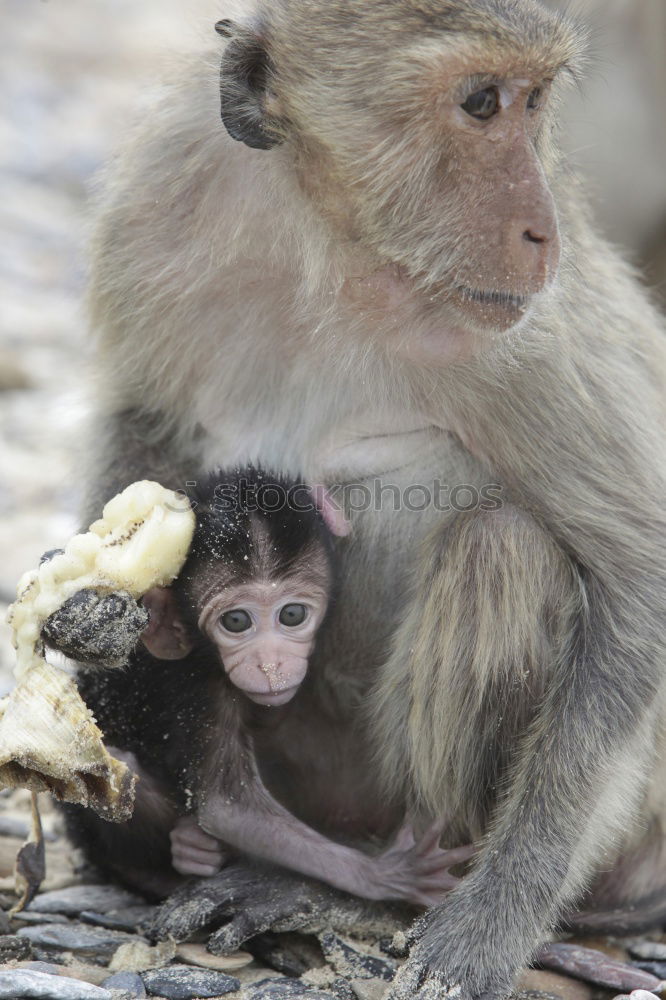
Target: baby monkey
point(252, 596)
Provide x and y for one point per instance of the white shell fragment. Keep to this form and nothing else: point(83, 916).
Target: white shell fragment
point(48, 737)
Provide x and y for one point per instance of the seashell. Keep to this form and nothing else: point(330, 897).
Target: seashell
point(49, 742)
point(48, 737)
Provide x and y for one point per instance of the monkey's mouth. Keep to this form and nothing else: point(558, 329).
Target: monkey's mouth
point(492, 309)
point(505, 300)
point(273, 697)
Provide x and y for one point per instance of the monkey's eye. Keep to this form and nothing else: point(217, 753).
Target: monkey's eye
point(236, 621)
point(534, 100)
point(483, 104)
point(293, 615)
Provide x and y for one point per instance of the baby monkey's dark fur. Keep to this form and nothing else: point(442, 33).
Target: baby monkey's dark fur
point(183, 715)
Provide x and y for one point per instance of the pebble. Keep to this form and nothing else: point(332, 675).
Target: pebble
point(14, 947)
point(89, 942)
point(139, 956)
point(28, 917)
point(127, 982)
point(594, 967)
point(48, 967)
point(127, 918)
point(637, 995)
point(198, 954)
point(539, 981)
point(282, 988)
point(181, 982)
point(354, 964)
point(649, 950)
point(27, 984)
point(11, 826)
point(657, 969)
point(342, 990)
point(286, 953)
point(97, 898)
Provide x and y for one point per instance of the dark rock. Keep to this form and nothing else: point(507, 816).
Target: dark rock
point(282, 988)
point(127, 982)
point(98, 898)
point(5, 924)
point(183, 982)
point(396, 946)
point(128, 918)
point(342, 990)
point(84, 941)
point(12, 946)
point(290, 954)
point(352, 964)
point(26, 984)
point(595, 967)
point(657, 969)
point(654, 951)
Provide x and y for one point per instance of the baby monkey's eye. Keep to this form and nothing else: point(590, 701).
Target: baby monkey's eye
point(236, 621)
point(483, 104)
point(534, 100)
point(293, 614)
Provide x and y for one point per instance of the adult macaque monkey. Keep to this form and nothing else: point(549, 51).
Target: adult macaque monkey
point(382, 269)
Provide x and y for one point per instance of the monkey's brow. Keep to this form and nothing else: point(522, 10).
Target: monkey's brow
point(478, 81)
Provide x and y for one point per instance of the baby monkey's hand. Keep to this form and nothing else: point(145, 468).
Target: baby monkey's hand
point(194, 852)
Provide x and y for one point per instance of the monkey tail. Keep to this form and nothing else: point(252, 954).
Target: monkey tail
point(645, 914)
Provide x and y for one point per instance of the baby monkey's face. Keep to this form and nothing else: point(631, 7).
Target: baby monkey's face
point(264, 632)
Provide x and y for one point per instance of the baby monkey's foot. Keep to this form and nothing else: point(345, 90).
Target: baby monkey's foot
point(417, 871)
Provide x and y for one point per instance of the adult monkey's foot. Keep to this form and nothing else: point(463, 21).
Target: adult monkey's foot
point(248, 900)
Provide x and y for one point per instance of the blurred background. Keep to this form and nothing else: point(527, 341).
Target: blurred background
point(71, 72)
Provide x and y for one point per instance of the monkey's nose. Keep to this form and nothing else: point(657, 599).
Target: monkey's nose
point(272, 671)
point(533, 252)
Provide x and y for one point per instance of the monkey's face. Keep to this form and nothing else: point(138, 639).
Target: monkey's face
point(421, 136)
point(264, 632)
point(459, 219)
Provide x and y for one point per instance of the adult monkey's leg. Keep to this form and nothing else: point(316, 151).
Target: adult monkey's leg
point(506, 716)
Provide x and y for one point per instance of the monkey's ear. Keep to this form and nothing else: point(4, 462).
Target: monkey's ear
point(166, 637)
point(333, 515)
point(244, 76)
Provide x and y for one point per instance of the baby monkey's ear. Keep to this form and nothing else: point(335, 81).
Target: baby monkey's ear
point(333, 515)
point(166, 636)
point(244, 88)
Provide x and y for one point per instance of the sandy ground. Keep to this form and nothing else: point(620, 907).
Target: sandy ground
point(71, 72)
